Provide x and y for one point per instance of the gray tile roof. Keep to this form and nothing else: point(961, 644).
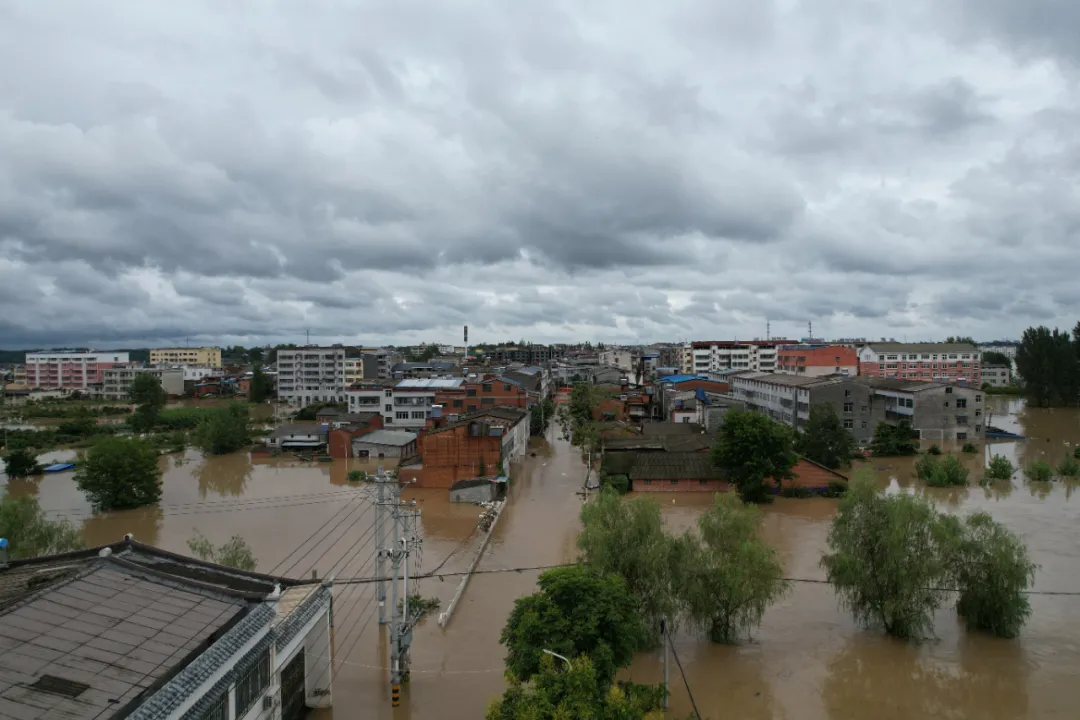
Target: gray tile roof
point(674, 466)
point(888, 347)
point(395, 438)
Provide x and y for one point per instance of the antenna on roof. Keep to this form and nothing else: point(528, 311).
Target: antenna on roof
point(810, 330)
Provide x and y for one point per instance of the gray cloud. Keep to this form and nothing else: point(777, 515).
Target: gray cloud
point(387, 172)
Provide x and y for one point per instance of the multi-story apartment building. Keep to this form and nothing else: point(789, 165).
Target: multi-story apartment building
point(997, 375)
point(817, 360)
point(405, 404)
point(309, 375)
point(485, 393)
point(946, 362)
point(713, 356)
point(525, 354)
point(117, 381)
point(200, 356)
point(939, 411)
point(69, 369)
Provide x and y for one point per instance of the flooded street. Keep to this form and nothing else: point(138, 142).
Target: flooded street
point(808, 660)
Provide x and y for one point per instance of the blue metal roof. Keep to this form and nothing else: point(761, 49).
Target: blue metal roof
point(681, 378)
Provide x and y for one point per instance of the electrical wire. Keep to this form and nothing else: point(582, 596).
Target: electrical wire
point(327, 529)
point(681, 672)
point(218, 503)
point(308, 539)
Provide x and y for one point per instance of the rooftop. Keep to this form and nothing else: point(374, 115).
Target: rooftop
point(511, 415)
point(922, 347)
point(674, 466)
point(398, 438)
point(675, 379)
point(788, 380)
point(658, 429)
point(93, 633)
point(430, 383)
point(902, 385)
point(296, 429)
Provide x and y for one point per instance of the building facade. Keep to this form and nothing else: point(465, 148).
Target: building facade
point(817, 360)
point(525, 354)
point(202, 356)
point(488, 392)
point(472, 446)
point(118, 381)
point(945, 362)
point(996, 375)
point(714, 356)
point(405, 404)
point(311, 375)
point(70, 370)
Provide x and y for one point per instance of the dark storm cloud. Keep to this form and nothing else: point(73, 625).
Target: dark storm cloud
point(386, 171)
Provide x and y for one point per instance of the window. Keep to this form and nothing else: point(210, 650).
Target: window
point(486, 387)
point(948, 391)
point(218, 710)
point(471, 392)
point(978, 413)
point(849, 407)
point(703, 481)
point(849, 423)
point(864, 408)
point(458, 403)
point(978, 428)
point(674, 482)
point(946, 403)
point(961, 402)
point(252, 683)
point(389, 407)
point(402, 414)
point(419, 415)
point(961, 436)
point(847, 393)
point(487, 401)
point(508, 388)
point(863, 425)
point(388, 420)
point(978, 398)
point(389, 392)
point(648, 482)
point(961, 419)
point(471, 407)
point(881, 366)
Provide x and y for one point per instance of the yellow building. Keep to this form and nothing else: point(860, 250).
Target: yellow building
point(354, 370)
point(200, 357)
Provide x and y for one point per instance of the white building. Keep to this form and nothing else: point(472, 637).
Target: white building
point(997, 375)
point(118, 381)
point(754, 355)
point(146, 634)
point(70, 369)
point(311, 375)
point(405, 405)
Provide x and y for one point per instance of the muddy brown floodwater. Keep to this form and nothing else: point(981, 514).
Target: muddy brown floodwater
point(808, 659)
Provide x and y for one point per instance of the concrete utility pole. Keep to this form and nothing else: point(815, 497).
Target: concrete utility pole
point(667, 687)
point(404, 541)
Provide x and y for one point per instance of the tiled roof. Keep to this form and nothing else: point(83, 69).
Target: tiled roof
point(657, 429)
point(674, 466)
point(396, 438)
point(506, 413)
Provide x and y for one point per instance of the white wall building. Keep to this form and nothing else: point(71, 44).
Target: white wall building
point(754, 355)
point(118, 381)
point(311, 375)
point(69, 369)
point(403, 406)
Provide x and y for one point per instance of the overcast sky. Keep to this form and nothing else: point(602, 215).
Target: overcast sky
point(386, 172)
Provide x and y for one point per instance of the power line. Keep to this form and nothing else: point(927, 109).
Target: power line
point(681, 672)
point(317, 531)
point(213, 506)
point(328, 529)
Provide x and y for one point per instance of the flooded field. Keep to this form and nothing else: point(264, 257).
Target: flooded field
point(808, 660)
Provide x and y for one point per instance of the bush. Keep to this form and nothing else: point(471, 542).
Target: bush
point(223, 430)
point(619, 483)
point(21, 463)
point(1069, 468)
point(924, 467)
point(1076, 453)
point(120, 473)
point(992, 572)
point(30, 534)
point(836, 489)
point(357, 475)
point(1040, 471)
point(969, 448)
point(235, 553)
point(933, 450)
point(948, 473)
point(795, 491)
point(1000, 468)
point(181, 418)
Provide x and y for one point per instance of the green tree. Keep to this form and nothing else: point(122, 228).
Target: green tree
point(30, 534)
point(235, 553)
point(223, 430)
point(576, 612)
point(1069, 468)
point(993, 357)
point(120, 473)
point(960, 340)
point(947, 472)
point(150, 398)
point(21, 463)
point(750, 449)
point(1000, 468)
point(262, 387)
point(628, 539)
point(992, 571)
point(1050, 366)
point(561, 693)
point(894, 440)
point(728, 576)
point(888, 558)
point(1040, 471)
point(824, 439)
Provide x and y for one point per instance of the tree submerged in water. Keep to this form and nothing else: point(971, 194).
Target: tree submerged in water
point(30, 533)
point(235, 553)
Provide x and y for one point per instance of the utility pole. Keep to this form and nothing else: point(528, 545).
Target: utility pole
point(405, 540)
point(380, 542)
point(667, 687)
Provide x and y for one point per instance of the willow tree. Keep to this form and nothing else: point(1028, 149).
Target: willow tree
point(728, 575)
point(992, 571)
point(889, 558)
point(628, 539)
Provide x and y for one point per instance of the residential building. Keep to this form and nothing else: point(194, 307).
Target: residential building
point(200, 356)
point(70, 369)
point(714, 356)
point(624, 359)
point(535, 380)
point(525, 354)
point(384, 444)
point(817, 360)
point(118, 381)
point(946, 362)
point(405, 404)
point(1008, 349)
point(297, 436)
point(938, 411)
point(997, 375)
point(196, 373)
point(422, 370)
point(671, 385)
point(341, 435)
point(130, 631)
point(684, 359)
point(472, 446)
point(490, 391)
point(309, 375)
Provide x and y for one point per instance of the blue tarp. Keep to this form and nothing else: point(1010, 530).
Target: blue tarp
point(59, 467)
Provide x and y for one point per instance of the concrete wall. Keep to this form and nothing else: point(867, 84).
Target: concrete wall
point(938, 421)
point(340, 440)
point(452, 455)
point(866, 412)
point(376, 450)
point(480, 492)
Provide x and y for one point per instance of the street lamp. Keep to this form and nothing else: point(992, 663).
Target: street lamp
point(555, 654)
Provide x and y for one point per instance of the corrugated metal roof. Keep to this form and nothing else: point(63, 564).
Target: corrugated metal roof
point(433, 383)
point(396, 438)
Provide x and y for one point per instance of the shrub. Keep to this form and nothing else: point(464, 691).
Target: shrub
point(1040, 471)
point(924, 467)
point(969, 448)
point(223, 430)
point(948, 473)
point(21, 463)
point(620, 483)
point(836, 488)
point(357, 475)
point(933, 450)
point(1000, 468)
point(795, 491)
point(1076, 453)
point(1069, 468)
point(992, 571)
point(30, 533)
point(235, 553)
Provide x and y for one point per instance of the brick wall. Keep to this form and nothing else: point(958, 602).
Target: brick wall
point(339, 444)
point(484, 394)
point(452, 455)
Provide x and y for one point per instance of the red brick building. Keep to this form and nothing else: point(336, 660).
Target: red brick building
point(469, 447)
point(339, 442)
point(817, 360)
point(694, 472)
point(487, 393)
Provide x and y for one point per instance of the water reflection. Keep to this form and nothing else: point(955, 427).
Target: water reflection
point(144, 523)
point(226, 475)
point(24, 486)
